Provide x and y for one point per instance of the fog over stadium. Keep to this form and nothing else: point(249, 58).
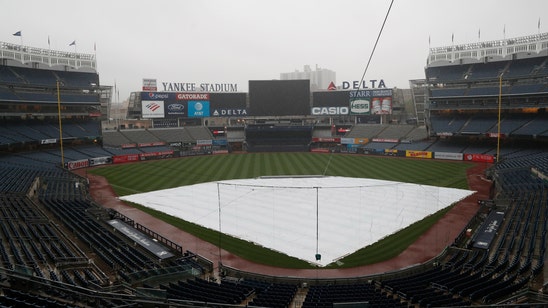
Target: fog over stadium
point(237, 41)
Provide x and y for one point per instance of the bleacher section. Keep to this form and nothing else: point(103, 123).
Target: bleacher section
point(447, 146)
point(395, 131)
point(365, 131)
point(22, 76)
point(41, 132)
point(417, 134)
point(199, 132)
point(486, 275)
point(139, 136)
point(510, 122)
point(476, 124)
point(176, 134)
point(537, 126)
point(115, 138)
point(447, 125)
point(362, 295)
point(519, 68)
point(415, 146)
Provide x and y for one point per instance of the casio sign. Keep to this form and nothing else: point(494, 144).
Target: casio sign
point(329, 110)
point(176, 107)
point(359, 106)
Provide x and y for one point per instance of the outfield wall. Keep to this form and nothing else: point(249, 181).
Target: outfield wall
point(336, 147)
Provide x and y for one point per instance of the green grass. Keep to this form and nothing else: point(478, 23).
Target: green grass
point(154, 175)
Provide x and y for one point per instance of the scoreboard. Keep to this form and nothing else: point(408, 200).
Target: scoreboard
point(279, 97)
point(267, 98)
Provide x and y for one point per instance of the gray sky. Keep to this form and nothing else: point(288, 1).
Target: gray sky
point(234, 41)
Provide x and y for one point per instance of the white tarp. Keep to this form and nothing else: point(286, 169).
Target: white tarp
point(293, 215)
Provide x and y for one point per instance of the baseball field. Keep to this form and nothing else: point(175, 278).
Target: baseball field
point(162, 174)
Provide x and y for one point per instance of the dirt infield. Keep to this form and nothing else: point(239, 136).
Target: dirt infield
point(425, 248)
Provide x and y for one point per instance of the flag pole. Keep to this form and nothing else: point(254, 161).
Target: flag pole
point(60, 126)
point(21, 49)
point(49, 52)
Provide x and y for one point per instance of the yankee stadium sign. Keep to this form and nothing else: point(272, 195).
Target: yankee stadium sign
point(202, 87)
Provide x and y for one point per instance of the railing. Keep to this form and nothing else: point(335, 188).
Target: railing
point(502, 48)
point(26, 54)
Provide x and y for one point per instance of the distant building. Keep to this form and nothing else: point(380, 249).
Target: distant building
point(319, 78)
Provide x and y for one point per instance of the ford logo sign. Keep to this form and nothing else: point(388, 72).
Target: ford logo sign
point(176, 107)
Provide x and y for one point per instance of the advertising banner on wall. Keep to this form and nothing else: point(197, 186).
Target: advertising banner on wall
point(48, 141)
point(418, 154)
point(229, 112)
point(77, 164)
point(157, 96)
point(149, 84)
point(370, 102)
point(100, 160)
point(152, 109)
point(319, 150)
point(192, 96)
point(448, 156)
point(198, 109)
point(361, 140)
point(381, 105)
point(360, 106)
point(481, 158)
point(219, 142)
point(119, 159)
point(204, 142)
point(175, 109)
point(156, 155)
point(319, 111)
point(327, 139)
point(388, 140)
point(151, 144)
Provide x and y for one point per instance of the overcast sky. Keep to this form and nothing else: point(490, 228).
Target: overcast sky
point(234, 41)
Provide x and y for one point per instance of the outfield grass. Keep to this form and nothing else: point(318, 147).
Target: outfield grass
point(155, 175)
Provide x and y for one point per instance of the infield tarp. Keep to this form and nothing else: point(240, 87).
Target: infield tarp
point(294, 214)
